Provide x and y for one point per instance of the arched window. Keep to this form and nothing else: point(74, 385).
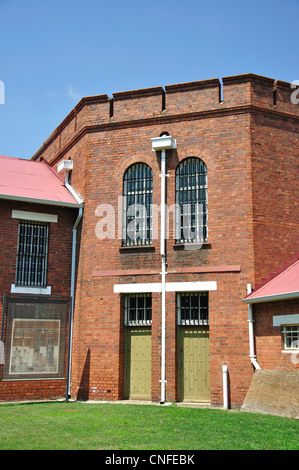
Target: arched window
point(138, 200)
point(191, 201)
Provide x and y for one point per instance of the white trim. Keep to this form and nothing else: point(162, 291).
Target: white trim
point(279, 320)
point(74, 193)
point(199, 286)
point(137, 288)
point(30, 290)
point(36, 216)
point(170, 287)
point(269, 298)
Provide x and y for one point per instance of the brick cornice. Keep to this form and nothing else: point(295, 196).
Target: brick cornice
point(162, 119)
point(150, 272)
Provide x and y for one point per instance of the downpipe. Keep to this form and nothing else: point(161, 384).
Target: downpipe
point(225, 386)
point(163, 143)
point(72, 304)
point(163, 275)
point(252, 354)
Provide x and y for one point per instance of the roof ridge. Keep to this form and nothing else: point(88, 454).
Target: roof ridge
point(57, 175)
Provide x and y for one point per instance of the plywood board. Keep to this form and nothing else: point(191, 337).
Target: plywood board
point(274, 392)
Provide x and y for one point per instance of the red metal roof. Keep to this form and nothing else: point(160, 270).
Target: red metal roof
point(283, 286)
point(35, 181)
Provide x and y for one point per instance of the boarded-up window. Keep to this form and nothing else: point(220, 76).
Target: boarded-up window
point(35, 338)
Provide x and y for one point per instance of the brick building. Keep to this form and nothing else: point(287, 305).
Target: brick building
point(37, 214)
point(157, 317)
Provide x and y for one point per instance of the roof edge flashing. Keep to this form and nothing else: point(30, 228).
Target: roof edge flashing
point(271, 298)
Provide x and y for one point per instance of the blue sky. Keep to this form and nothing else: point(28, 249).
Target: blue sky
point(55, 52)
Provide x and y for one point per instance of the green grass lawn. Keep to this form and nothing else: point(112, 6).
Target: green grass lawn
point(85, 426)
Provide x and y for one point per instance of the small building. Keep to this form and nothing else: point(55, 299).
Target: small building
point(274, 311)
point(274, 308)
point(37, 216)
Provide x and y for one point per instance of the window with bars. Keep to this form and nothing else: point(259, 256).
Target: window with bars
point(32, 254)
point(193, 308)
point(291, 336)
point(191, 201)
point(138, 200)
point(138, 309)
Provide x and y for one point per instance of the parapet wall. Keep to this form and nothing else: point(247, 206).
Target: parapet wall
point(186, 99)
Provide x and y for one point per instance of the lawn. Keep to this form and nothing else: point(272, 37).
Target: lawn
point(85, 426)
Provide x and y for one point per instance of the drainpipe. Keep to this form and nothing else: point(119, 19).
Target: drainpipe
point(66, 166)
point(252, 354)
point(163, 143)
point(225, 387)
point(72, 304)
point(163, 273)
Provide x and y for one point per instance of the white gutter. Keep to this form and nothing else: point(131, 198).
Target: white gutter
point(163, 143)
point(32, 200)
point(272, 298)
point(252, 354)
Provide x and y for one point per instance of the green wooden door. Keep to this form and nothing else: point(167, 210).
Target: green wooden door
point(138, 363)
point(193, 364)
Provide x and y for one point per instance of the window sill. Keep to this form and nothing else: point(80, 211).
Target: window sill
point(290, 351)
point(192, 246)
point(137, 248)
point(30, 290)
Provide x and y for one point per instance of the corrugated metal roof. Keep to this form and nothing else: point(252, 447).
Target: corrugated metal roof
point(283, 286)
point(37, 181)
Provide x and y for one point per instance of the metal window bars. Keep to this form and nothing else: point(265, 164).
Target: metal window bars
point(138, 309)
point(193, 308)
point(191, 201)
point(32, 254)
point(138, 201)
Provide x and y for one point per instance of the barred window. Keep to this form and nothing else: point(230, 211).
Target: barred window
point(291, 336)
point(193, 308)
point(138, 200)
point(32, 254)
point(191, 201)
point(138, 309)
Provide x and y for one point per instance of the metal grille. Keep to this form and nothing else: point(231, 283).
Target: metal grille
point(191, 200)
point(138, 309)
point(193, 308)
point(31, 269)
point(138, 200)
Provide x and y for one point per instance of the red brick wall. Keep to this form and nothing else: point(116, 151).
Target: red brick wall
point(247, 142)
point(98, 326)
point(269, 338)
point(59, 270)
